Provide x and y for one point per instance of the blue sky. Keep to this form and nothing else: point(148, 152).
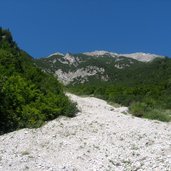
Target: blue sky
point(42, 27)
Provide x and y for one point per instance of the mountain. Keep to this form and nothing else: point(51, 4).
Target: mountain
point(140, 81)
point(28, 96)
point(98, 65)
point(144, 57)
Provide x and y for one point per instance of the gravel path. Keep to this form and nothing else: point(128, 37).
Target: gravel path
point(99, 138)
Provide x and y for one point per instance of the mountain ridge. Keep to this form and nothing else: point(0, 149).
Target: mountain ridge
point(98, 65)
point(140, 56)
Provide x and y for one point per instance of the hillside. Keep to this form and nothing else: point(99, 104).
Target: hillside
point(28, 96)
point(98, 65)
point(100, 137)
point(140, 81)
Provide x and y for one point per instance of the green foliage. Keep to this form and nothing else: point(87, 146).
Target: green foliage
point(139, 109)
point(159, 114)
point(144, 100)
point(28, 96)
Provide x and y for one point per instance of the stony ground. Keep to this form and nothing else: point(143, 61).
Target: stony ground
point(99, 138)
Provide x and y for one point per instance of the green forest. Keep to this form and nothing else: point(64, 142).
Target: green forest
point(28, 96)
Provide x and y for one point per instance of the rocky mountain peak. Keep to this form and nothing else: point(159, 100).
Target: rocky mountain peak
point(143, 57)
point(139, 56)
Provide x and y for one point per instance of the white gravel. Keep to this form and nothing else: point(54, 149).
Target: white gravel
point(100, 137)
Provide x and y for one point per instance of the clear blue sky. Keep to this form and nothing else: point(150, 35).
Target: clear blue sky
point(42, 27)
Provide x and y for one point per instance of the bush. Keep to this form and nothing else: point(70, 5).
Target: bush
point(138, 109)
point(143, 110)
point(24, 105)
point(159, 114)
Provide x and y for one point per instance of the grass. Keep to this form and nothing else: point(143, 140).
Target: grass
point(142, 110)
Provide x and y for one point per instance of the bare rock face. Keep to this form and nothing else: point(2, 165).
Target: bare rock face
point(99, 138)
point(143, 57)
point(139, 56)
point(81, 74)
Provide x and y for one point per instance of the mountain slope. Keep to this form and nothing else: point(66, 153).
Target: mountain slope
point(28, 96)
point(98, 65)
point(100, 137)
point(143, 86)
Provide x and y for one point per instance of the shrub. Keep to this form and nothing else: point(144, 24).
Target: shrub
point(159, 114)
point(138, 109)
point(141, 109)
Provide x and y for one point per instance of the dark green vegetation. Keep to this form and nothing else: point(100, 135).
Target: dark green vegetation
point(28, 96)
point(144, 87)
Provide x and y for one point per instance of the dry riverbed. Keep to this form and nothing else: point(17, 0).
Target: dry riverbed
point(99, 138)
